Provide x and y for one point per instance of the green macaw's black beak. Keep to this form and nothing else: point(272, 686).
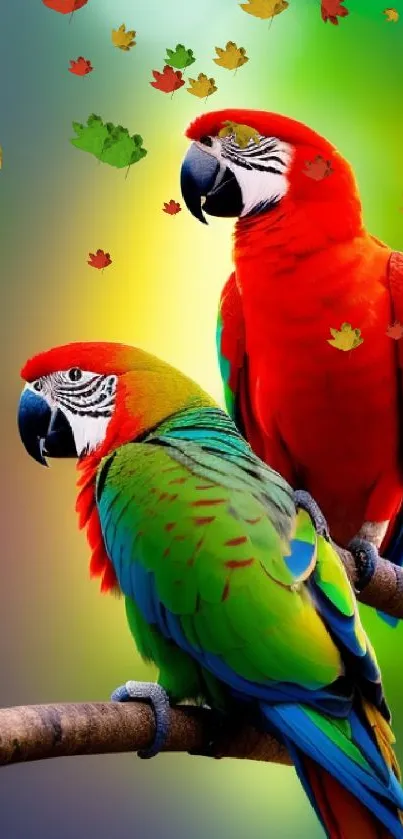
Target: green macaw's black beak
point(202, 177)
point(43, 432)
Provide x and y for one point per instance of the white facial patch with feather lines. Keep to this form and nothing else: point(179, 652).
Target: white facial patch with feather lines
point(86, 399)
point(260, 169)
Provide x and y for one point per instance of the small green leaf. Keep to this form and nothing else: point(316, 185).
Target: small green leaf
point(180, 57)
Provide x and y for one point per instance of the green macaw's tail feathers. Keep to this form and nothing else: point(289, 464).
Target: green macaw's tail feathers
point(367, 793)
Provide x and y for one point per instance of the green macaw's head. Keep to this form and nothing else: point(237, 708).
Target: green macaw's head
point(91, 397)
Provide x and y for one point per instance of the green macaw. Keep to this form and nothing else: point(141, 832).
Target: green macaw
point(231, 584)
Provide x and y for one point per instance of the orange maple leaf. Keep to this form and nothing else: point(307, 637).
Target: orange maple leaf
point(318, 168)
point(168, 81)
point(100, 259)
point(80, 66)
point(332, 9)
point(171, 207)
point(65, 7)
point(395, 330)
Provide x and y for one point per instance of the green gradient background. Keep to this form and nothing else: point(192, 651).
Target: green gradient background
point(59, 639)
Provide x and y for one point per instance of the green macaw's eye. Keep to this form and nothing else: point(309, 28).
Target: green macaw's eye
point(75, 374)
point(37, 385)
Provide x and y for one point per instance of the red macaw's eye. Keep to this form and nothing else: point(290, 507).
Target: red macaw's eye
point(206, 140)
point(75, 374)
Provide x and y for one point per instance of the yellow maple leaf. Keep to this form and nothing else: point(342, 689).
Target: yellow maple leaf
point(231, 57)
point(202, 86)
point(264, 8)
point(122, 39)
point(242, 133)
point(391, 14)
point(346, 338)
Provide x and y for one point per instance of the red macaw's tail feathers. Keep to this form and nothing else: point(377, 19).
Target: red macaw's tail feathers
point(343, 816)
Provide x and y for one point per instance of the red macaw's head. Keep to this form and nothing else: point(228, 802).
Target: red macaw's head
point(92, 397)
point(243, 163)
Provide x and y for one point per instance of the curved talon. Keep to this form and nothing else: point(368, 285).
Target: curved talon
point(366, 557)
point(306, 502)
point(159, 701)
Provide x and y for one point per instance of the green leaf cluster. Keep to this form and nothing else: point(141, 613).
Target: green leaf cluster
point(109, 143)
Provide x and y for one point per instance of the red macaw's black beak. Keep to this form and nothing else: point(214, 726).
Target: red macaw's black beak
point(44, 432)
point(202, 176)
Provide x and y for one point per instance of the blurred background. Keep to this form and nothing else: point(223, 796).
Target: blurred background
point(60, 640)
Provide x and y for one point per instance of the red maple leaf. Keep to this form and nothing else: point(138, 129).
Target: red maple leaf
point(65, 7)
point(171, 207)
point(395, 331)
point(167, 81)
point(100, 259)
point(80, 66)
point(318, 168)
point(332, 9)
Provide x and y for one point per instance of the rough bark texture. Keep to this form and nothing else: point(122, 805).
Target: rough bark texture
point(385, 589)
point(36, 732)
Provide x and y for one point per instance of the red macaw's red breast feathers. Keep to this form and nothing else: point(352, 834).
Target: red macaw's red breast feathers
point(100, 357)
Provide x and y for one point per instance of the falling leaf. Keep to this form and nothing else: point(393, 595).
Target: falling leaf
point(332, 9)
point(91, 137)
point(242, 134)
point(65, 7)
point(171, 207)
point(202, 86)
point(395, 331)
point(231, 57)
point(120, 149)
point(391, 14)
point(318, 168)
point(109, 143)
point(123, 40)
point(346, 338)
point(80, 66)
point(100, 259)
point(265, 8)
point(168, 81)
point(180, 57)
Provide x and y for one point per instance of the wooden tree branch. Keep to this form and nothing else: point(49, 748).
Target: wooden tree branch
point(385, 589)
point(36, 732)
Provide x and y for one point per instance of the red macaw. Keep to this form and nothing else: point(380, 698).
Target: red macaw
point(305, 269)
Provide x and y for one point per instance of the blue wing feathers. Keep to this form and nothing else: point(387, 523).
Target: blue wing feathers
point(298, 729)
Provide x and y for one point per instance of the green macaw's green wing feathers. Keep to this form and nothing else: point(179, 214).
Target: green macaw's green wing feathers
point(332, 579)
point(190, 519)
point(207, 443)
